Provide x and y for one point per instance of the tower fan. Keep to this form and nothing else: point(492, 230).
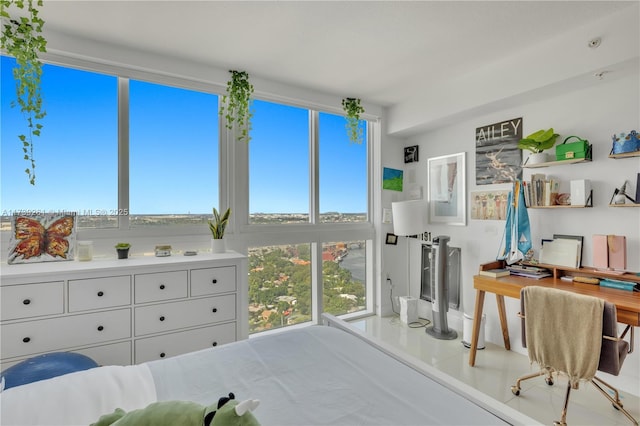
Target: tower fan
point(440, 290)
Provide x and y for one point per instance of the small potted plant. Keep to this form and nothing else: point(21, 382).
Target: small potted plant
point(123, 250)
point(217, 226)
point(537, 142)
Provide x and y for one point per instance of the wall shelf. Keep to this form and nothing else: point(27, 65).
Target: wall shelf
point(556, 163)
point(625, 155)
point(560, 207)
point(625, 205)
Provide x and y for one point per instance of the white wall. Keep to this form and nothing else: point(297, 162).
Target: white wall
point(596, 112)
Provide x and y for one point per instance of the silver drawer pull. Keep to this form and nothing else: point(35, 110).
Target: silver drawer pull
point(161, 286)
point(26, 339)
point(214, 310)
point(26, 301)
point(100, 294)
point(162, 318)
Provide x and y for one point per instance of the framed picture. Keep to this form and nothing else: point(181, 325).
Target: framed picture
point(42, 237)
point(446, 189)
point(498, 158)
point(411, 154)
point(392, 239)
point(489, 205)
point(392, 179)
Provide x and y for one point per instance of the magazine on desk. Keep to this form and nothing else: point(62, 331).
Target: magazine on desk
point(534, 272)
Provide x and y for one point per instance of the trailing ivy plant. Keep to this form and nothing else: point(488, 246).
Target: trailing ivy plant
point(353, 109)
point(236, 103)
point(22, 38)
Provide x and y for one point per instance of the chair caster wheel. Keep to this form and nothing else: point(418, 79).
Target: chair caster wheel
point(549, 381)
point(515, 390)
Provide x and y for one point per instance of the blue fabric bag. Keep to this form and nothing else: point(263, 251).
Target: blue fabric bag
point(623, 143)
point(516, 239)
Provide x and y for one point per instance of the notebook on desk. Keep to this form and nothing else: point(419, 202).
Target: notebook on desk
point(561, 252)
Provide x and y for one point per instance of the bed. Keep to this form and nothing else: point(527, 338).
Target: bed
point(329, 374)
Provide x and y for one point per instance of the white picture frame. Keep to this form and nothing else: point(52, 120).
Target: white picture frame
point(447, 189)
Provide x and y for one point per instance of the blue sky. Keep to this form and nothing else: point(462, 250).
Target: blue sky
point(173, 163)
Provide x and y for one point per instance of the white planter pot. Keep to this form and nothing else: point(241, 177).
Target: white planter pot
point(537, 158)
point(218, 245)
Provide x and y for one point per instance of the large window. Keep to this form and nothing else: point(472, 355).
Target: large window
point(173, 151)
point(343, 172)
point(343, 277)
point(76, 154)
point(279, 164)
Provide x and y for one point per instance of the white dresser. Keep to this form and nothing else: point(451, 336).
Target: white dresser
point(120, 312)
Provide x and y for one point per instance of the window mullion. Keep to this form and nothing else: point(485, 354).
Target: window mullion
point(314, 162)
point(123, 152)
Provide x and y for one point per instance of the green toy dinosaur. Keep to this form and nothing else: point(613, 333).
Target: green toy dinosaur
point(227, 412)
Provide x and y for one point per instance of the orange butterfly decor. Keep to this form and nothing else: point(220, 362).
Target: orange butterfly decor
point(33, 239)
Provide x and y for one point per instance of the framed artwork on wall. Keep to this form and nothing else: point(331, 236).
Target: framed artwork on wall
point(42, 237)
point(498, 158)
point(411, 154)
point(446, 189)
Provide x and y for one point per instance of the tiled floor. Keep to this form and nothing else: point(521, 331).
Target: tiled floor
point(496, 371)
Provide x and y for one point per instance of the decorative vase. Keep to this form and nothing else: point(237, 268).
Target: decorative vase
point(218, 245)
point(537, 158)
point(123, 253)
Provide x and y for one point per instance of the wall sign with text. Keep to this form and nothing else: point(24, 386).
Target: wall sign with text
point(498, 158)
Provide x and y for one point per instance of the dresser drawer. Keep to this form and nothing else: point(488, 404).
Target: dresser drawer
point(59, 333)
point(213, 280)
point(168, 345)
point(189, 313)
point(160, 286)
point(110, 354)
point(96, 293)
point(31, 300)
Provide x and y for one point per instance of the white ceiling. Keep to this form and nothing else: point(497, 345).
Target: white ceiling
point(383, 51)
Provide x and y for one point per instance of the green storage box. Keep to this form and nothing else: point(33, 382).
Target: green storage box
point(580, 149)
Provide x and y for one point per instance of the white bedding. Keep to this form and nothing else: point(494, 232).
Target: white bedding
point(316, 376)
point(77, 398)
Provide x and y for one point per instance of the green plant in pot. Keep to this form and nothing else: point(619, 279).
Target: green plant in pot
point(236, 103)
point(123, 250)
point(22, 38)
point(537, 142)
point(353, 109)
point(217, 226)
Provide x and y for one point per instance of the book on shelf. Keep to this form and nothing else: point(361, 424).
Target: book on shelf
point(496, 273)
point(621, 285)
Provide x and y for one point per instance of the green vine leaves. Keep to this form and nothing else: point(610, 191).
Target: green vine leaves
point(353, 109)
point(22, 38)
point(236, 103)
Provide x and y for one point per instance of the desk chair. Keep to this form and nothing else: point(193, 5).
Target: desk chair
point(561, 331)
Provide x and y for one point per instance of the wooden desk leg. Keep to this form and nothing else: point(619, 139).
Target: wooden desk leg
point(477, 320)
point(503, 321)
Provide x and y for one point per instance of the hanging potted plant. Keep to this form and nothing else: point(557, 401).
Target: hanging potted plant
point(353, 109)
point(22, 38)
point(537, 142)
point(236, 103)
point(217, 226)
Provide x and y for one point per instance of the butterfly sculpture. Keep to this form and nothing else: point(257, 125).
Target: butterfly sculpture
point(34, 240)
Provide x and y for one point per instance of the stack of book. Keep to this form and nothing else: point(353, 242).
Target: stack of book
point(540, 191)
point(534, 272)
